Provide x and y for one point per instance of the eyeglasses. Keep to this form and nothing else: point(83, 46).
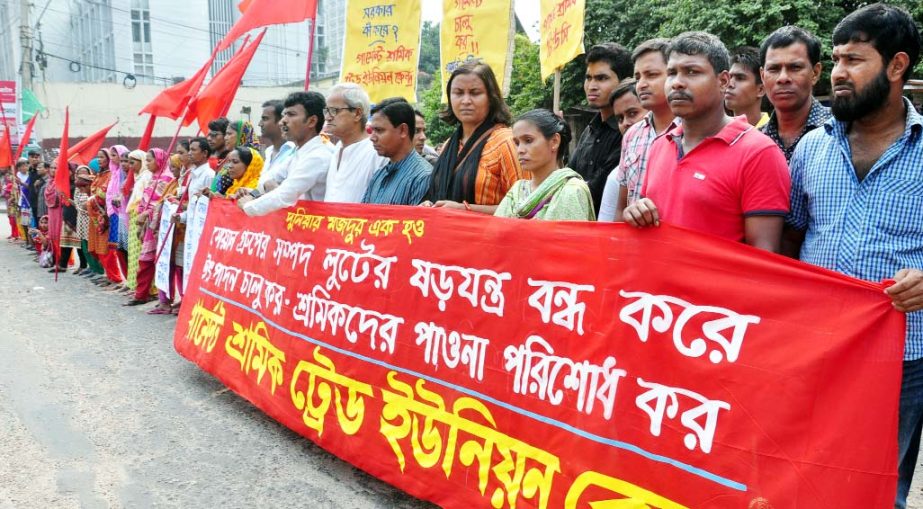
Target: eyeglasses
point(332, 111)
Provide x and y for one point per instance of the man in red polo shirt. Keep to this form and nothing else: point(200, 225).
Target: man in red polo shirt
point(713, 173)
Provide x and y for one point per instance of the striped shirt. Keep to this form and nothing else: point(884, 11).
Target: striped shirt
point(636, 147)
point(498, 168)
point(870, 228)
point(405, 182)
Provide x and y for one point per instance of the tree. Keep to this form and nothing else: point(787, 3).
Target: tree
point(431, 106)
point(527, 91)
point(429, 56)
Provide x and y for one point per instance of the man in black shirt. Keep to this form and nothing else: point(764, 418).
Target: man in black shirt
point(600, 146)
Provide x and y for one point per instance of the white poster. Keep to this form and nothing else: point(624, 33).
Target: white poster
point(195, 225)
point(162, 275)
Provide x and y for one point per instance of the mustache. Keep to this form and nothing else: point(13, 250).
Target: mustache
point(679, 95)
point(844, 84)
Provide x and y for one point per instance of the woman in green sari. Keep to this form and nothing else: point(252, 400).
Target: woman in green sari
point(553, 192)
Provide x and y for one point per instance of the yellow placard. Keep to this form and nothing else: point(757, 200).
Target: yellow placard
point(473, 29)
point(561, 33)
point(382, 47)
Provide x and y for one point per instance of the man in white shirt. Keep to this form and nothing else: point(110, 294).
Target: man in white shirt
point(278, 148)
point(302, 120)
point(355, 159)
point(200, 177)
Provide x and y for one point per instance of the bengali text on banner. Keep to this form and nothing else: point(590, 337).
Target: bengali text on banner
point(561, 33)
point(477, 29)
point(382, 47)
point(483, 362)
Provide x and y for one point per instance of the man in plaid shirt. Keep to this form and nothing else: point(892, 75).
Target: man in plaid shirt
point(857, 188)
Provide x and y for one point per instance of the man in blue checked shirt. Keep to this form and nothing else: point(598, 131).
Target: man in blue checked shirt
point(857, 188)
point(405, 180)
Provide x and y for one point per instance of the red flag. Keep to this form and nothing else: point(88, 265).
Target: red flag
point(244, 5)
point(172, 101)
point(214, 99)
point(148, 133)
point(62, 175)
point(85, 150)
point(25, 137)
point(6, 150)
point(261, 13)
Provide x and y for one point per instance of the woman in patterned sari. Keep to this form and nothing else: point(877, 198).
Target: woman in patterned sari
point(150, 196)
point(100, 227)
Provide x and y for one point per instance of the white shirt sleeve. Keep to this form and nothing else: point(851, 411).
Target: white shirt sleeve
point(307, 171)
point(610, 198)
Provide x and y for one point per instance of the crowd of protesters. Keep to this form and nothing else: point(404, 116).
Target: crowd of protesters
point(681, 136)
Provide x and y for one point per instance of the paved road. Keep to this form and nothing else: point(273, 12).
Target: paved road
point(98, 411)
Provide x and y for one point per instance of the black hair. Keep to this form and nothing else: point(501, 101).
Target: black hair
point(398, 111)
point(219, 124)
point(33, 152)
point(615, 55)
point(499, 112)
point(889, 29)
point(788, 35)
point(21, 162)
point(246, 156)
point(660, 45)
point(625, 87)
point(313, 103)
point(417, 112)
point(749, 57)
point(185, 144)
point(549, 124)
point(47, 166)
point(705, 44)
point(203, 144)
point(277, 106)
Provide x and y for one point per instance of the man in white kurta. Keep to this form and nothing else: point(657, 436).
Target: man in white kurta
point(355, 159)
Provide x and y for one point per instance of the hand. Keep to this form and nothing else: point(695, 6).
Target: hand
point(642, 213)
point(175, 219)
point(240, 193)
point(449, 204)
point(206, 192)
point(907, 291)
point(426, 203)
point(243, 200)
point(116, 202)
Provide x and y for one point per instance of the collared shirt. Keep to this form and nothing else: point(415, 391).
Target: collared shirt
point(276, 167)
point(307, 175)
point(636, 146)
point(713, 188)
point(816, 117)
point(350, 170)
point(405, 182)
point(199, 178)
point(597, 154)
point(870, 228)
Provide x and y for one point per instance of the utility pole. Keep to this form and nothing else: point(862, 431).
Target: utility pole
point(25, 37)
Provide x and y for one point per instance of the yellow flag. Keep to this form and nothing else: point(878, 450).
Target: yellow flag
point(382, 47)
point(474, 29)
point(561, 33)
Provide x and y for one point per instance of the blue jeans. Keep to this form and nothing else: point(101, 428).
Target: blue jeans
point(910, 424)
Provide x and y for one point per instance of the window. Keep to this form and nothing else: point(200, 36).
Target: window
point(141, 41)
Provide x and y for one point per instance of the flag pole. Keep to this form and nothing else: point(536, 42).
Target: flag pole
point(307, 73)
point(557, 91)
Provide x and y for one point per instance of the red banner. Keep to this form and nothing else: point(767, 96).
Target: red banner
point(478, 362)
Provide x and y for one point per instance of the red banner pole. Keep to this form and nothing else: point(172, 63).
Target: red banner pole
point(307, 73)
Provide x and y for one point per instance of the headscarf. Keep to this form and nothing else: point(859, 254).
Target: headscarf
point(116, 165)
point(161, 178)
point(245, 138)
point(251, 177)
point(138, 155)
point(89, 177)
point(93, 167)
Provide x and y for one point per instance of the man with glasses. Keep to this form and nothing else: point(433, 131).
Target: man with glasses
point(355, 159)
point(215, 137)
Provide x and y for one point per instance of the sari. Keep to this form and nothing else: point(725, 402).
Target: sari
point(148, 206)
point(563, 196)
point(99, 219)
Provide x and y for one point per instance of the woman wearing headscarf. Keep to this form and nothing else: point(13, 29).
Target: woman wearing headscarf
point(166, 296)
point(244, 167)
point(141, 171)
point(162, 176)
point(70, 241)
point(83, 180)
point(478, 164)
point(238, 134)
point(116, 159)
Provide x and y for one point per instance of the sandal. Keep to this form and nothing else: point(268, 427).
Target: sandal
point(159, 311)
